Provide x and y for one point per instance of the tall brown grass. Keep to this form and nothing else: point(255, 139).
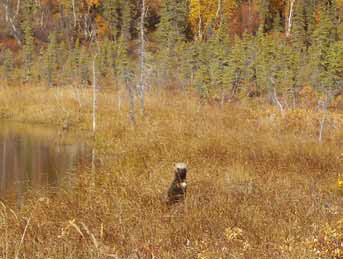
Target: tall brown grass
point(260, 184)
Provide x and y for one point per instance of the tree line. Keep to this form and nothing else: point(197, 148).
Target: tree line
point(223, 48)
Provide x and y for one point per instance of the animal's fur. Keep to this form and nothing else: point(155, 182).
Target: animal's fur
point(178, 188)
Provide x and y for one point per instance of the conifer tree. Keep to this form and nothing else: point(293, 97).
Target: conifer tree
point(335, 65)
point(111, 14)
point(28, 50)
point(322, 38)
point(261, 60)
point(310, 20)
point(298, 27)
point(170, 32)
point(103, 62)
point(8, 65)
point(186, 61)
point(123, 62)
point(84, 69)
point(202, 74)
point(277, 23)
point(75, 61)
point(173, 22)
point(235, 67)
point(263, 8)
point(51, 59)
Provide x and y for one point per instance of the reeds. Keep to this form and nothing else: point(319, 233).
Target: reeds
point(260, 184)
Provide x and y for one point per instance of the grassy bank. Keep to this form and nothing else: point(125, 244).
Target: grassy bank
point(260, 183)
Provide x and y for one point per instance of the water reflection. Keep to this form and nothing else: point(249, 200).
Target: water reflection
point(33, 156)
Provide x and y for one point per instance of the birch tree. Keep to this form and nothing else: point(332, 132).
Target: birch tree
point(11, 19)
point(289, 17)
point(142, 57)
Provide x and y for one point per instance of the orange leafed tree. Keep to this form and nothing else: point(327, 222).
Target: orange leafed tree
point(93, 2)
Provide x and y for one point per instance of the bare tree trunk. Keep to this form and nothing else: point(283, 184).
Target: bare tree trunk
point(218, 8)
point(276, 99)
point(142, 79)
point(199, 27)
point(4, 172)
point(6, 11)
point(16, 30)
point(74, 13)
point(93, 166)
point(132, 103)
point(322, 121)
point(294, 94)
point(222, 98)
point(290, 15)
point(18, 7)
point(119, 101)
point(94, 95)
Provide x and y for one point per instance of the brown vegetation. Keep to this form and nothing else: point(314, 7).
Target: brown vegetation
point(260, 185)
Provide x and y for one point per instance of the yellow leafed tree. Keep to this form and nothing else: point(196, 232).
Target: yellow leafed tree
point(204, 12)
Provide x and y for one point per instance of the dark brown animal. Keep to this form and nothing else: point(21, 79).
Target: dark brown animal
point(178, 188)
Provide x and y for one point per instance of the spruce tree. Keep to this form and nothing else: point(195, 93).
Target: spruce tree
point(277, 24)
point(298, 34)
point(170, 33)
point(84, 69)
point(262, 61)
point(233, 72)
point(112, 16)
point(322, 38)
point(310, 19)
point(28, 50)
point(202, 74)
point(51, 59)
point(173, 22)
point(8, 64)
point(335, 65)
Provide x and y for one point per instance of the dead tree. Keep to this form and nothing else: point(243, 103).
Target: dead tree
point(13, 22)
point(178, 188)
point(142, 55)
point(324, 106)
point(94, 94)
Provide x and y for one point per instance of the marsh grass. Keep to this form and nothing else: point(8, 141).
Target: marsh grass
point(260, 185)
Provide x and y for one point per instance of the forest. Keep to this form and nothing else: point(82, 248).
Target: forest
point(248, 94)
point(222, 49)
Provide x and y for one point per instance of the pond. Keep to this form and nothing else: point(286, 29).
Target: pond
point(35, 157)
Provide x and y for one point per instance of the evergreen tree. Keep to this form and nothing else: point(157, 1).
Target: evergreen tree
point(103, 58)
point(170, 33)
point(28, 50)
point(8, 65)
point(51, 59)
point(185, 61)
point(262, 60)
point(310, 20)
point(298, 27)
point(263, 8)
point(335, 65)
point(323, 37)
point(235, 68)
point(112, 15)
point(202, 75)
point(277, 24)
point(84, 66)
point(173, 22)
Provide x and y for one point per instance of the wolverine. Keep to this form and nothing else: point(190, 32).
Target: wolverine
point(177, 189)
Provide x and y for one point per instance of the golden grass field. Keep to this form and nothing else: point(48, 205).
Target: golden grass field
point(260, 185)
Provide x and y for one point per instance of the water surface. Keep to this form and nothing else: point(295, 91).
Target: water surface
point(34, 157)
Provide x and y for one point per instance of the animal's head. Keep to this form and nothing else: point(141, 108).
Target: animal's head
point(181, 171)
